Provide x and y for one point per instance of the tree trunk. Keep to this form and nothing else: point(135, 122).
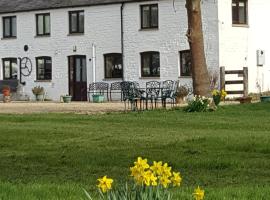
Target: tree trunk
point(200, 76)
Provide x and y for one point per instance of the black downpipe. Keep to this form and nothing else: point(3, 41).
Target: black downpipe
point(122, 41)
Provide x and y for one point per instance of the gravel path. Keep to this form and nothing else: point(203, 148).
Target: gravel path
point(55, 107)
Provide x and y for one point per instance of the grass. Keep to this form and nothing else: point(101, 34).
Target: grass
point(53, 156)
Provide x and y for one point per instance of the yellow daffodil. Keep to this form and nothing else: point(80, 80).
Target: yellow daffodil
point(215, 92)
point(150, 178)
point(198, 194)
point(164, 181)
point(157, 167)
point(166, 170)
point(138, 174)
point(141, 163)
point(176, 179)
point(105, 184)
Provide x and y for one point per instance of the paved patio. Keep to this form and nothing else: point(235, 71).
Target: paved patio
point(57, 107)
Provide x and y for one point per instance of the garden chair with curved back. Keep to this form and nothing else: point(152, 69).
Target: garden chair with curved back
point(167, 90)
point(131, 94)
point(116, 89)
point(152, 92)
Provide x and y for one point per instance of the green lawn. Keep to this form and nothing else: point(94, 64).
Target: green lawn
point(53, 156)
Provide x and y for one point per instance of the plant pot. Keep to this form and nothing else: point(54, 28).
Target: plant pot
point(244, 100)
point(39, 97)
point(265, 98)
point(180, 100)
point(98, 98)
point(6, 99)
point(6, 93)
point(217, 99)
point(67, 99)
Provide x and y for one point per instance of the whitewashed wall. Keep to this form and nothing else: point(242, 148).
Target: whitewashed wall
point(238, 45)
point(103, 28)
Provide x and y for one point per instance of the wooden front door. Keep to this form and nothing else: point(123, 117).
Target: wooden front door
point(77, 78)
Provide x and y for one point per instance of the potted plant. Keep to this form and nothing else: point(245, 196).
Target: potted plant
point(218, 96)
point(6, 93)
point(67, 98)
point(181, 94)
point(39, 92)
point(98, 98)
point(244, 100)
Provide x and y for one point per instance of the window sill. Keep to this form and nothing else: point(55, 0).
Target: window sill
point(75, 34)
point(43, 81)
point(149, 29)
point(112, 79)
point(149, 77)
point(185, 77)
point(8, 38)
point(42, 36)
point(240, 25)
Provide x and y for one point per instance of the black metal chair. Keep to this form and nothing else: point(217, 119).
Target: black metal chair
point(116, 89)
point(152, 92)
point(131, 94)
point(166, 92)
point(98, 88)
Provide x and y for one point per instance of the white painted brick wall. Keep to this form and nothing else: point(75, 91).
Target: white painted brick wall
point(103, 28)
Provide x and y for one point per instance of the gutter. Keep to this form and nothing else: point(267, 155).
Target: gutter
point(122, 40)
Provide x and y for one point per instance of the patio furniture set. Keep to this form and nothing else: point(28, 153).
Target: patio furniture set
point(133, 94)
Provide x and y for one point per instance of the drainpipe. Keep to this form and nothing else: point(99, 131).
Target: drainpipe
point(94, 62)
point(122, 40)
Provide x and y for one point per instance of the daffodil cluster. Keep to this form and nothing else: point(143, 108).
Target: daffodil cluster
point(198, 194)
point(154, 175)
point(221, 93)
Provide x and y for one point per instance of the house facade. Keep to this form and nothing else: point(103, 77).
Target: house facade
point(68, 44)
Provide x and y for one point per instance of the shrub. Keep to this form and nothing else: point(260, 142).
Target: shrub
point(198, 104)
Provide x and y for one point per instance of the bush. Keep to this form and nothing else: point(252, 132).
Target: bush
point(198, 104)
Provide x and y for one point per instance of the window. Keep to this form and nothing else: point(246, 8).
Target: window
point(149, 16)
point(10, 68)
point(44, 68)
point(239, 11)
point(150, 64)
point(185, 63)
point(76, 22)
point(113, 65)
point(43, 24)
point(9, 27)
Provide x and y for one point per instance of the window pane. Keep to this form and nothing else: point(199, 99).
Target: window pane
point(74, 22)
point(40, 69)
point(14, 26)
point(185, 63)
point(81, 22)
point(14, 69)
point(7, 70)
point(154, 16)
point(48, 69)
point(84, 73)
point(78, 70)
point(145, 16)
point(113, 65)
point(242, 13)
point(47, 24)
point(7, 27)
point(146, 64)
point(40, 25)
point(155, 65)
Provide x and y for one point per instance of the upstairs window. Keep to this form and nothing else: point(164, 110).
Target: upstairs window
point(185, 63)
point(113, 65)
point(44, 68)
point(43, 24)
point(9, 27)
point(240, 12)
point(10, 68)
point(149, 16)
point(150, 64)
point(76, 22)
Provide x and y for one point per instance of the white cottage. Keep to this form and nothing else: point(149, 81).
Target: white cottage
point(71, 43)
